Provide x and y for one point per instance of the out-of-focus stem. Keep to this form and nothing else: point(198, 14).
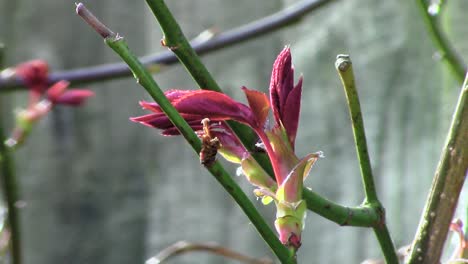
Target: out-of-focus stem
point(10, 188)
point(444, 47)
point(446, 186)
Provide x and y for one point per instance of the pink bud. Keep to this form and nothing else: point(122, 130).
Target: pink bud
point(58, 94)
point(35, 76)
point(57, 90)
point(75, 97)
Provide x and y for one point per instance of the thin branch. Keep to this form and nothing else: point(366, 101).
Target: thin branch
point(446, 186)
point(10, 189)
point(229, 38)
point(144, 78)
point(344, 68)
point(183, 247)
point(363, 216)
point(445, 48)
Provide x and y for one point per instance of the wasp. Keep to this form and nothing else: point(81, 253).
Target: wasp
point(210, 145)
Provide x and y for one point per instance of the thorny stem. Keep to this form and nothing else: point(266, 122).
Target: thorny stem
point(174, 37)
point(345, 70)
point(446, 50)
point(144, 78)
point(118, 44)
point(10, 188)
point(182, 247)
point(446, 186)
point(222, 40)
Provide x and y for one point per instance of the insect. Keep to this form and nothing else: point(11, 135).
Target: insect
point(210, 145)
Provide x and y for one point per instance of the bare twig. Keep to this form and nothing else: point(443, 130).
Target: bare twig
point(183, 247)
point(243, 33)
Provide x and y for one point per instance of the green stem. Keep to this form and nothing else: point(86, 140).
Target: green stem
point(446, 50)
point(144, 78)
point(345, 70)
point(363, 216)
point(446, 187)
point(385, 242)
point(10, 188)
point(177, 43)
point(175, 40)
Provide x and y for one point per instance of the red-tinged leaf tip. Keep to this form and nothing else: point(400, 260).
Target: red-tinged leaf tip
point(291, 111)
point(280, 78)
point(175, 94)
point(171, 95)
point(159, 120)
point(144, 120)
point(259, 105)
point(284, 96)
point(151, 106)
point(214, 105)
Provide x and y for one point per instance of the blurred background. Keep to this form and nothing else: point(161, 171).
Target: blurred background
point(100, 189)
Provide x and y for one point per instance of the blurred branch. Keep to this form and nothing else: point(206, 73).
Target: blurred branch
point(448, 53)
point(344, 67)
point(143, 77)
point(232, 37)
point(446, 186)
point(10, 188)
point(183, 247)
point(2, 56)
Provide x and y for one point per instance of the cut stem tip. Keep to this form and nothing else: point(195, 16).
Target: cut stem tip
point(343, 62)
point(93, 21)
